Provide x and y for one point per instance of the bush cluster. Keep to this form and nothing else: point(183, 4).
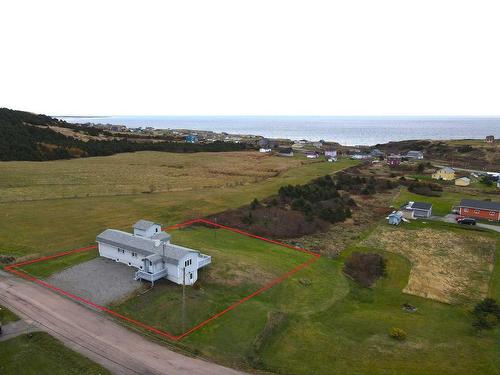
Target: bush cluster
point(318, 198)
point(486, 314)
point(428, 189)
point(398, 334)
point(365, 268)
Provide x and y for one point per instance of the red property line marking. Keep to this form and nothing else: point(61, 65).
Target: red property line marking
point(12, 269)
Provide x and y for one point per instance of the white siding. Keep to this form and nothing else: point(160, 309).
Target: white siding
point(149, 232)
point(125, 256)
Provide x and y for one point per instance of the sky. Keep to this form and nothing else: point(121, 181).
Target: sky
point(258, 57)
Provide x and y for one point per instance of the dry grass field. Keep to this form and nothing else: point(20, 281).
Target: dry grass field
point(47, 207)
point(446, 266)
point(135, 173)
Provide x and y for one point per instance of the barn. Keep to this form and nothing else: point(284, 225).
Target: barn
point(486, 210)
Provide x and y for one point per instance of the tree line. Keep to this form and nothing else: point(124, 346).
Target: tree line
point(26, 136)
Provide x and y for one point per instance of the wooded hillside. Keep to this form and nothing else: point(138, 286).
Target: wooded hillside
point(27, 136)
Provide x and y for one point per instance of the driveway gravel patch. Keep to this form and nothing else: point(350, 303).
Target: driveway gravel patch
point(99, 280)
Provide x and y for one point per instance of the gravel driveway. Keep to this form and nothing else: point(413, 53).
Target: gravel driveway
point(99, 280)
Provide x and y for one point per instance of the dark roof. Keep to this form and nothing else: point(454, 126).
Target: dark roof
point(144, 246)
point(421, 205)
point(485, 205)
point(285, 150)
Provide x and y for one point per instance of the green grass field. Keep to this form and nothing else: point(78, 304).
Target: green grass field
point(43, 355)
point(46, 268)
point(46, 226)
point(336, 327)
point(330, 325)
point(240, 266)
point(7, 316)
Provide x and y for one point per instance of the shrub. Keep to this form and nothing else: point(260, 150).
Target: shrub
point(486, 314)
point(398, 334)
point(365, 268)
point(255, 204)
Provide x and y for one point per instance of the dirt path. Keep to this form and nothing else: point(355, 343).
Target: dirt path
point(95, 336)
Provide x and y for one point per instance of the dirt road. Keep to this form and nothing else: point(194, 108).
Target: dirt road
point(95, 335)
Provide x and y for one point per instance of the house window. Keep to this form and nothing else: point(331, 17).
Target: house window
point(134, 255)
point(477, 211)
point(190, 276)
point(492, 213)
point(466, 210)
point(150, 263)
point(188, 262)
point(121, 251)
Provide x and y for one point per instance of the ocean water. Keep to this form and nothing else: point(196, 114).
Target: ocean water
point(347, 131)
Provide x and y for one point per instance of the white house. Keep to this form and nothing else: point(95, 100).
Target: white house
point(265, 150)
point(149, 250)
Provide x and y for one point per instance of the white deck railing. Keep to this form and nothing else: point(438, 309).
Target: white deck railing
point(152, 277)
point(203, 260)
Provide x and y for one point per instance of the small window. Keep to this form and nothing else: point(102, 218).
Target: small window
point(466, 210)
point(188, 262)
point(134, 255)
point(150, 263)
point(156, 230)
point(477, 211)
point(140, 267)
point(492, 213)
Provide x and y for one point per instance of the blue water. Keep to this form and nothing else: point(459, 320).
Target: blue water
point(344, 130)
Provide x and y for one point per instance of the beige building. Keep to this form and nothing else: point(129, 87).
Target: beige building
point(462, 181)
point(445, 173)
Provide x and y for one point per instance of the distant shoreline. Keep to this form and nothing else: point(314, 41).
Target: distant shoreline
point(347, 131)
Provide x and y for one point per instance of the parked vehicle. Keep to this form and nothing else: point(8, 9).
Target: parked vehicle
point(467, 221)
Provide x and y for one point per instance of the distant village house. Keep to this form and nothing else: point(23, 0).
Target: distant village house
point(487, 210)
point(445, 173)
point(312, 155)
point(331, 155)
point(394, 160)
point(192, 138)
point(462, 181)
point(418, 155)
point(490, 139)
point(417, 210)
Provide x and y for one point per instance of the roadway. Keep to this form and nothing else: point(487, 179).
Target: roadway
point(95, 335)
point(450, 218)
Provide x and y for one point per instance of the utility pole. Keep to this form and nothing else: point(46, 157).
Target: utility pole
point(215, 229)
point(184, 299)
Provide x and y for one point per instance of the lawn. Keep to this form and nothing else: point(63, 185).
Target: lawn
point(240, 266)
point(48, 267)
point(7, 316)
point(45, 226)
point(43, 355)
point(333, 326)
